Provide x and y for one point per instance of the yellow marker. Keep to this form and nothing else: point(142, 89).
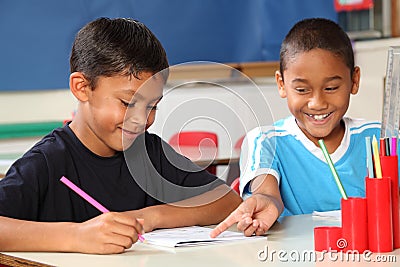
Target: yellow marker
point(377, 161)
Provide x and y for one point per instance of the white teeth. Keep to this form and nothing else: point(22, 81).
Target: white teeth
point(319, 117)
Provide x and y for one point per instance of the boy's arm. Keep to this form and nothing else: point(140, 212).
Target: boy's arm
point(208, 208)
point(258, 212)
point(105, 234)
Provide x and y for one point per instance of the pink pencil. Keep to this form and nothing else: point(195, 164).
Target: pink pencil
point(89, 199)
point(394, 146)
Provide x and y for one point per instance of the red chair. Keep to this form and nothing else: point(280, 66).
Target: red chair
point(239, 142)
point(235, 185)
point(196, 138)
point(234, 168)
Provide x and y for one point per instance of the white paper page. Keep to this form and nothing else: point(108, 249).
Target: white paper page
point(191, 236)
point(332, 214)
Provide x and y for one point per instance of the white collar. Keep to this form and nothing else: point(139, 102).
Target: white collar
point(294, 129)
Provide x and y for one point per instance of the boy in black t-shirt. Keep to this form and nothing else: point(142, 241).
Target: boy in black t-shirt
point(118, 69)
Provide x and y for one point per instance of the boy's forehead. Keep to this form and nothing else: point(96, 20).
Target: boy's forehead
point(145, 88)
point(315, 58)
point(316, 66)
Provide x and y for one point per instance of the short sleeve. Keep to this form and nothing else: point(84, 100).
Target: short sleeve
point(20, 189)
point(258, 156)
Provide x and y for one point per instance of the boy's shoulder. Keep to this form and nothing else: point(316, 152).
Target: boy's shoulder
point(51, 150)
point(52, 143)
point(358, 125)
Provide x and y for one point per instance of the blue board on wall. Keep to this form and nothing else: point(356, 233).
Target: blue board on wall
point(36, 36)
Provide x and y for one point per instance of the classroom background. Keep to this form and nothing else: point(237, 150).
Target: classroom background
point(232, 47)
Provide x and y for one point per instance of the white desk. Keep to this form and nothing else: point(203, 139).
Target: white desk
point(293, 234)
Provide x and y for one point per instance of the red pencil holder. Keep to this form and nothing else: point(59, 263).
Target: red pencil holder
point(379, 205)
point(390, 168)
point(327, 238)
point(354, 224)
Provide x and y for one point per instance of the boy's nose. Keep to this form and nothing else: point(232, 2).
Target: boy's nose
point(317, 102)
point(139, 119)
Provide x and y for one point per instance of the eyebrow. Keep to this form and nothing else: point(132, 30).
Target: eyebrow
point(139, 96)
point(300, 80)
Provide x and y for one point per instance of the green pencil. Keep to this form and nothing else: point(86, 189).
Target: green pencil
point(333, 170)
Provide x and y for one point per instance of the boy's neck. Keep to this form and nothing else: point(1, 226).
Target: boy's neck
point(332, 141)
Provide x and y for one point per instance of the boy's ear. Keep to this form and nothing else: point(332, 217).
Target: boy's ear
point(79, 86)
point(280, 84)
point(355, 80)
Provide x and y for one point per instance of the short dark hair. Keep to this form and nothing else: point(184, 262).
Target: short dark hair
point(312, 33)
point(120, 46)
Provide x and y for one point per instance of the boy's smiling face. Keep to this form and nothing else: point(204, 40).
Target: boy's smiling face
point(317, 85)
point(118, 110)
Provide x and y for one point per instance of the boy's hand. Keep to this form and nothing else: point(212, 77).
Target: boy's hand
point(108, 233)
point(254, 216)
point(146, 216)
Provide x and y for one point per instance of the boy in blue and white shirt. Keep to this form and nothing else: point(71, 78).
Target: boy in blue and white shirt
point(283, 170)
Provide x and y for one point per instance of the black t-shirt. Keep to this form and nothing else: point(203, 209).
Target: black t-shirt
point(32, 189)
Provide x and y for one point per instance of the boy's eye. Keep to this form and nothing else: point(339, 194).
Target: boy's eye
point(127, 103)
point(301, 90)
point(331, 88)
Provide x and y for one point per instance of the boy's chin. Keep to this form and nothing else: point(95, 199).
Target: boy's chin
point(128, 142)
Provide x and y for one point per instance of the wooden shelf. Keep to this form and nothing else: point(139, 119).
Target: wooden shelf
point(259, 69)
point(223, 71)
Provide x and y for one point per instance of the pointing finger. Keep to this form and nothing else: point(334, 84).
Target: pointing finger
point(225, 224)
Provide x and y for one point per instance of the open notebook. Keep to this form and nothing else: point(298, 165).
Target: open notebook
point(191, 236)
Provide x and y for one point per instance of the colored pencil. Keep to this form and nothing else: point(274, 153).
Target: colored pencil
point(370, 164)
point(377, 161)
point(393, 150)
point(387, 144)
point(89, 199)
point(382, 147)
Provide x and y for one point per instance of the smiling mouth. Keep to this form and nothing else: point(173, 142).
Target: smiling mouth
point(129, 132)
point(319, 117)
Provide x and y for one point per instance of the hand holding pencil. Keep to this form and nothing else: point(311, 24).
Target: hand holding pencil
point(108, 233)
point(111, 232)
